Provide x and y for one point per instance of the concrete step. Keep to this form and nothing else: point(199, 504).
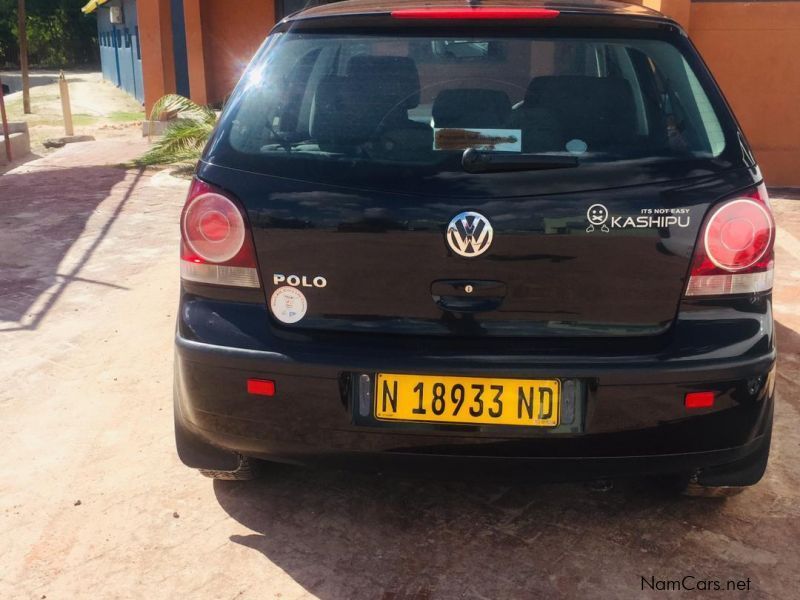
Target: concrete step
point(20, 142)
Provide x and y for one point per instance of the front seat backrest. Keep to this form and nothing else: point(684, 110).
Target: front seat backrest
point(472, 109)
point(328, 124)
point(598, 110)
point(373, 96)
point(384, 87)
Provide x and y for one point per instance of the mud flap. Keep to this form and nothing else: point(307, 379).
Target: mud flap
point(746, 472)
point(197, 453)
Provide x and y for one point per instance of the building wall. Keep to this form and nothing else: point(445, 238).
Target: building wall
point(221, 38)
point(232, 36)
point(753, 50)
point(120, 48)
point(155, 30)
point(108, 49)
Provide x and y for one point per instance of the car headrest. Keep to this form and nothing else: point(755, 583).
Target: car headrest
point(471, 108)
point(594, 109)
point(394, 78)
point(375, 93)
point(330, 115)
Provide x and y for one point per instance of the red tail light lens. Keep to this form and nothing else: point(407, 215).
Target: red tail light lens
point(735, 252)
point(216, 246)
point(738, 234)
point(213, 227)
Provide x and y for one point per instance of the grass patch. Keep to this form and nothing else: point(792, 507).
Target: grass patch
point(13, 107)
point(83, 120)
point(121, 116)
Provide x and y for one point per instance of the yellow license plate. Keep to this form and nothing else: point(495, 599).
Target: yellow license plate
point(467, 400)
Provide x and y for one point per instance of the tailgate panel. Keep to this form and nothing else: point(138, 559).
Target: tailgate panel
point(380, 253)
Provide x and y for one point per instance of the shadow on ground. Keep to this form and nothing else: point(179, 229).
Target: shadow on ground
point(43, 214)
point(18, 161)
point(345, 535)
point(348, 535)
point(14, 80)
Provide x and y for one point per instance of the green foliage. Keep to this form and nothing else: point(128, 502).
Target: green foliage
point(185, 137)
point(81, 120)
point(59, 35)
point(123, 116)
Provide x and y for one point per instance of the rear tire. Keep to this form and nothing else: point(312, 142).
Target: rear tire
point(246, 471)
point(696, 490)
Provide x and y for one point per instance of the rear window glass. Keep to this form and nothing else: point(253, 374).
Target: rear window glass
point(316, 100)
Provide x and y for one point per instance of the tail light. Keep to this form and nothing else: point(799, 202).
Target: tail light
point(478, 12)
point(216, 245)
point(735, 251)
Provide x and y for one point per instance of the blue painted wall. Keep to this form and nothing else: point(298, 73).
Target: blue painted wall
point(179, 49)
point(120, 52)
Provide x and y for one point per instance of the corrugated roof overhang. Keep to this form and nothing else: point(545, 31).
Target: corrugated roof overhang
point(92, 6)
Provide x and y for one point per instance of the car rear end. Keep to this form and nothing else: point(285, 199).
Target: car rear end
point(506, 237)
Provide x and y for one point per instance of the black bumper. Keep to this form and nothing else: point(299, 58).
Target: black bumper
point(632, 417)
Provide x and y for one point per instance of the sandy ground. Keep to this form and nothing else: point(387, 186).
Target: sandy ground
point(95, 504)
point(99, 109)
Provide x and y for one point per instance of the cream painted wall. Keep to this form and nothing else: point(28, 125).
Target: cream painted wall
point(753, 50)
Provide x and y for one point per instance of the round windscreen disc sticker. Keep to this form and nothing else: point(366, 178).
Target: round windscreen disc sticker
point(288, 304)
point(577, 146)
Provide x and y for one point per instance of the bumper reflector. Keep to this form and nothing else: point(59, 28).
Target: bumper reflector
point(220, 274)
point(699, 400)
point(732, 283)
point(261, 387)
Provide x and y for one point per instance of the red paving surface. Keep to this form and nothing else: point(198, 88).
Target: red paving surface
point(88, 291)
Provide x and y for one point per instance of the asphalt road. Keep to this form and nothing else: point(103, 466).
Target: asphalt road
point(94, 503)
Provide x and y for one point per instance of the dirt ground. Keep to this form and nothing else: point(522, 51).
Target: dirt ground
point(99, 108)
point(95, 504)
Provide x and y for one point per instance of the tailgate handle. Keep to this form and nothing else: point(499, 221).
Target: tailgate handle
point(468, 296)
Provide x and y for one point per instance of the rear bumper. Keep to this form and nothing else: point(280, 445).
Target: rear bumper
point(441, 462)
point(632, 420)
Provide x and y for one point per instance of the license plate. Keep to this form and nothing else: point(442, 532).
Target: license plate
point(468, 400)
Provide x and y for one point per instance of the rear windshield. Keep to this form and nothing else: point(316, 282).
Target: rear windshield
point(317, 103)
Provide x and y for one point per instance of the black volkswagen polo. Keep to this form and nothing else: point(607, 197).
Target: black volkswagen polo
point(512, 237)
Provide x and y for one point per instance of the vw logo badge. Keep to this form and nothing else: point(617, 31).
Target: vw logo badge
point(469, 234)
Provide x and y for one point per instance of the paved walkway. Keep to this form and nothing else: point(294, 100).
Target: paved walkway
point(94, 503)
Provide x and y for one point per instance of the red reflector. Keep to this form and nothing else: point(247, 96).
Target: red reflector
point(699, 400)
point(475, 13)
point(261, 387)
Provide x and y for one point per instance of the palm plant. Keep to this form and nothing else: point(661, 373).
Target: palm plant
point(185, 137)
